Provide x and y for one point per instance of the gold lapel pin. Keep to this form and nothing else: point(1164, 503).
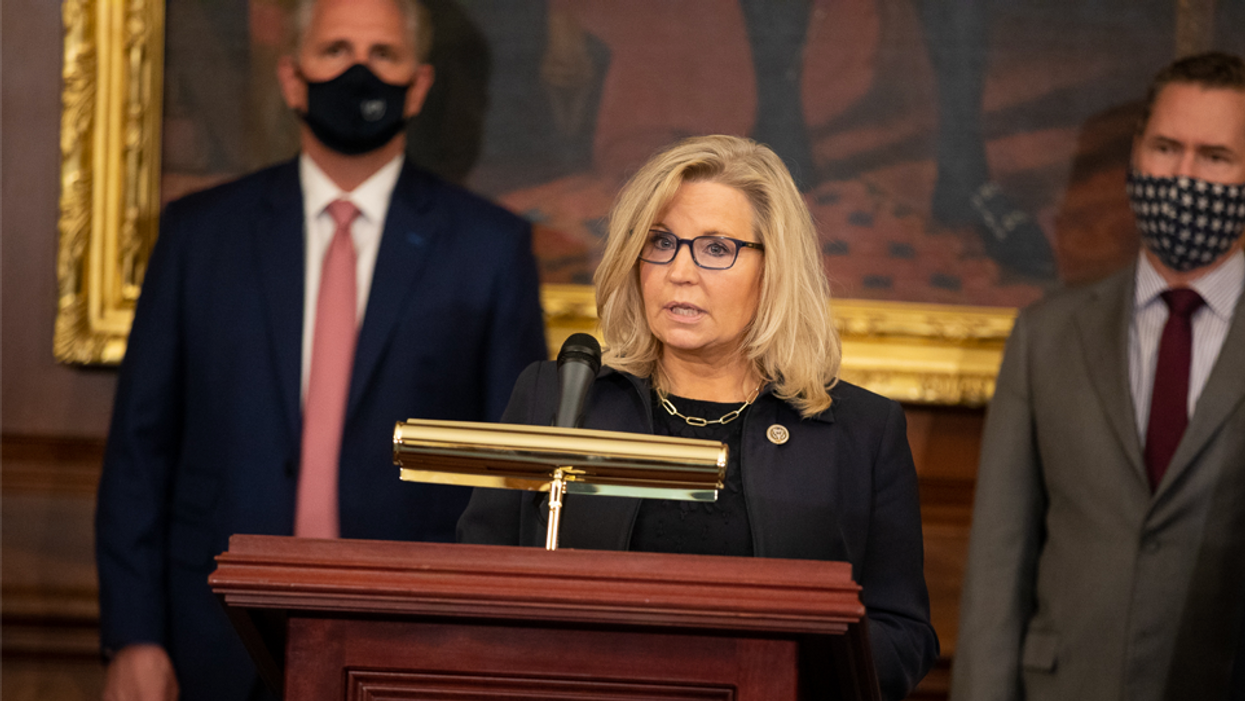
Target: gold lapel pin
point(777, 434)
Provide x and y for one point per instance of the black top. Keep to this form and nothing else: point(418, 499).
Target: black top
point(841, 486)
point(696, 527)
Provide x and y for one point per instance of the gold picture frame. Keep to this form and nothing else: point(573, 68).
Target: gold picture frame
point(109, 209)
point(110, 171)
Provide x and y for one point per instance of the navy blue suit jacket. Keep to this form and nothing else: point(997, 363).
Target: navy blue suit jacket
point(843, 487)
point(205, 434)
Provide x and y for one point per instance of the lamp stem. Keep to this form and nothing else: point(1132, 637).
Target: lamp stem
point(556, 489)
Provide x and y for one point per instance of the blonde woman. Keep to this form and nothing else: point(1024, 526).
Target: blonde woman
point(714, 309)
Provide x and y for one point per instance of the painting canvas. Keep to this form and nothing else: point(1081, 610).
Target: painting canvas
point(960, 158)
point(969, 152)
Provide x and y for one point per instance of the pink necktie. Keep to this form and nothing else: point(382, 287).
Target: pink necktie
point(328, 386)
point(1169, 404)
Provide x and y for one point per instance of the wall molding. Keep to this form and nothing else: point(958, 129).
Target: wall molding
point(55, 464)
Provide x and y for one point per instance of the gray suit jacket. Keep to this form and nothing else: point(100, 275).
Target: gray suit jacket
point(1079, 580)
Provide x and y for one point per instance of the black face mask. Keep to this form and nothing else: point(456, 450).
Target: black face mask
point(356, 112)
point(1188, 223)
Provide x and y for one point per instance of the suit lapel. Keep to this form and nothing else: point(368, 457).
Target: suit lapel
point(1103, 328)
point(412, 226)
point(1225, 389)
point(279, 252)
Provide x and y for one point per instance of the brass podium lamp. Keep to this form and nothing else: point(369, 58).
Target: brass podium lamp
point(559, 461)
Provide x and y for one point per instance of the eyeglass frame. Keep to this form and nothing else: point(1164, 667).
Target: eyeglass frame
point(691, 247)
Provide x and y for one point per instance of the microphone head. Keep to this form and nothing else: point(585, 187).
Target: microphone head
point(581, 348)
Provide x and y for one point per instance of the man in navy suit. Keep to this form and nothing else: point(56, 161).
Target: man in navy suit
point(210, 430)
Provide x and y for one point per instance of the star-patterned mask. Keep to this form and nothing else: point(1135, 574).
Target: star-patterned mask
point(1188, 223)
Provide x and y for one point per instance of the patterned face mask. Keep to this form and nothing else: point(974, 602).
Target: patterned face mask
point(1186, 222)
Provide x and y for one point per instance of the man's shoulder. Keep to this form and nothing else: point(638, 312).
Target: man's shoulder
point(1064, 303)
point(423, 189)
point(238, 196)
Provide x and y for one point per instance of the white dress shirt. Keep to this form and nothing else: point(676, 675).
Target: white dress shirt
point(1221, 288)
point(372, 199)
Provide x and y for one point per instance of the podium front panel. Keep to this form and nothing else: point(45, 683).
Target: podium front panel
point(332, 659)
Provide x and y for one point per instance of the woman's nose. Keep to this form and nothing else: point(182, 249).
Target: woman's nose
point(683, 267)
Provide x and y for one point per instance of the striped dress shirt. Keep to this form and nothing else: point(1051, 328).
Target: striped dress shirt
point(1221, 288)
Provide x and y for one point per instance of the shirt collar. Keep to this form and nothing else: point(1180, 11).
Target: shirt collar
point(371, 197)
point(1221, 287)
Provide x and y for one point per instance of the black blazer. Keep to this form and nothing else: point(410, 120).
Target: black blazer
point(843, 487)
point(205, 435)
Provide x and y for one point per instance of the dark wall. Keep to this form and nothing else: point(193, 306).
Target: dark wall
point(40, 397)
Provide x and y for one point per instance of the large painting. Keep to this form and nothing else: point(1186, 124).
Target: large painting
point(960, 158)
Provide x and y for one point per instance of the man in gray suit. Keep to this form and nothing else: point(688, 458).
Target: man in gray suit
point(1108, 528)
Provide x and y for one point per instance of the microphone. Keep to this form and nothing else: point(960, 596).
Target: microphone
point(578, 363)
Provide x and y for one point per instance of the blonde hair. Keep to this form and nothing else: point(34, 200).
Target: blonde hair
point(792, 341)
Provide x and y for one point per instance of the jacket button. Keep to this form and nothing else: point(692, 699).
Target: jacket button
point(777, 434)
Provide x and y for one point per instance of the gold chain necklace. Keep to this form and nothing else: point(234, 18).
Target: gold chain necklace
point(697, 421)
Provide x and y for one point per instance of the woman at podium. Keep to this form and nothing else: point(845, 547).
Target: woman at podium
point(715, 313)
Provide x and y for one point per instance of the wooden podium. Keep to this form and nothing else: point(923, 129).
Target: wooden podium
point(378, 620)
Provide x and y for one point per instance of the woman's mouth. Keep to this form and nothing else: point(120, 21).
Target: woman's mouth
point(684, 310)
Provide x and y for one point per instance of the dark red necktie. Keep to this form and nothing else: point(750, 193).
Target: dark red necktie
point(1169, 405)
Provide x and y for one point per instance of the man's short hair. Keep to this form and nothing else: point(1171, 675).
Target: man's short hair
point(1210, 70)
point(418, 25)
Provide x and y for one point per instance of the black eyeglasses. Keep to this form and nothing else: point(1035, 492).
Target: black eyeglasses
point(708, 252)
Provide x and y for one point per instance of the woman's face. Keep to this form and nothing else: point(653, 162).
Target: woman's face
point(693, 311)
